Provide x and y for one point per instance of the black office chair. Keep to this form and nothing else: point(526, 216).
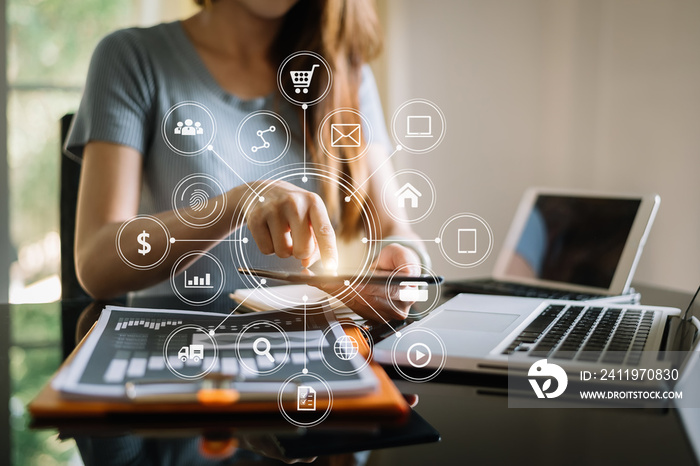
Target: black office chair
point(70, 179)
point(73, 296)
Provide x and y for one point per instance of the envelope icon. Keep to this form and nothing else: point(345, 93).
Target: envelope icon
point(346, 135)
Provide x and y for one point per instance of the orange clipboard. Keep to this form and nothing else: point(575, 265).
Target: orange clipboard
point(385, 403)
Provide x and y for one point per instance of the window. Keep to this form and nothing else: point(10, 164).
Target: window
point(49, 44)
point(48, 52)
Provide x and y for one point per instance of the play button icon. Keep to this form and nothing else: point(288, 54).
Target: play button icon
point(419, 355)
point(415, 349)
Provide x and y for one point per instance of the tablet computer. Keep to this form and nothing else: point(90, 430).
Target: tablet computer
point(319, 276)
point(578, 241)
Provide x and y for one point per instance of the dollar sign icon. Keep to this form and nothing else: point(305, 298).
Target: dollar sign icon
point(141, 238)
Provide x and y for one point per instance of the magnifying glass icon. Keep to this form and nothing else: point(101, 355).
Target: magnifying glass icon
point(265, 351)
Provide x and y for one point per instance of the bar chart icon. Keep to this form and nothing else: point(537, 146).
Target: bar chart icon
point(198, 282)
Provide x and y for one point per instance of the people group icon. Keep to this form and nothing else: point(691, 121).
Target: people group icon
point(189, 128)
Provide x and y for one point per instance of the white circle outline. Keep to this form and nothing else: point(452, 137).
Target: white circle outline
point(118, 242)
point(368, 338)
point(425, 269)
point(484, 256)
point(280, 72)
point(286, 347)
point(433, 199)
point(164, 131)
point(286, 130)
point(401, 141)
point(280, 403)
point(408, 355)
point(238, 254)
point(366, 142)
point(435, 372)
point(211, 365)
point(177, 210)
point(173, 274)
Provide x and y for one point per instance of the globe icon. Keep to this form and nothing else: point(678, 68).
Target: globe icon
point(345, 347)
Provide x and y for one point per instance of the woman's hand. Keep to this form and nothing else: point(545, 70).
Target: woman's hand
point(372, 301)
point(293, 222)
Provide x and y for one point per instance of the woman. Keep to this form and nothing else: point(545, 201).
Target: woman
point(227, 57)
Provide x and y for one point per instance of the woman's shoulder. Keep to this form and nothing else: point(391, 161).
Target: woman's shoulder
point(151, 40)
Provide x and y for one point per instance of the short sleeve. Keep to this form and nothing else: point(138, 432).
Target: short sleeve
point(118, 99)
point(371, 108)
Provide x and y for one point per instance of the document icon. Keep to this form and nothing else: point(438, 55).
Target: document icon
point(346, 135)
point(306, 398)
point(466, 240)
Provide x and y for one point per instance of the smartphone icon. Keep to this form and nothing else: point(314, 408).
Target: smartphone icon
point(466, 240)
point(306, 398)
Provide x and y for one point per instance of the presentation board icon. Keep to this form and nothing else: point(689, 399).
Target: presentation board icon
point(306, 398)
point(466, 240)
point(419, 126)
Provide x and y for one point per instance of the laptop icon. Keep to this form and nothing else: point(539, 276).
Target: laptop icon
point(419, 126)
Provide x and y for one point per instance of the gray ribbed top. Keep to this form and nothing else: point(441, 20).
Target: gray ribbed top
point(137, 75)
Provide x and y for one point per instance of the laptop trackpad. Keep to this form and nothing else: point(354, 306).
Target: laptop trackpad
point(473, 321)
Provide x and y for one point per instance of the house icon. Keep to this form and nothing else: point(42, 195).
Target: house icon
point(408, 191)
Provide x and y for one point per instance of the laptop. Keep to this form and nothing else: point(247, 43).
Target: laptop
point(486, 334)
point(565, 244)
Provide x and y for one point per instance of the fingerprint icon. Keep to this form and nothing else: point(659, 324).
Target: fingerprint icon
point(199, 199)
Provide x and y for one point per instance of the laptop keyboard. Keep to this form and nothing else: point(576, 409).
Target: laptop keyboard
point(515, 289)
point(585, 333)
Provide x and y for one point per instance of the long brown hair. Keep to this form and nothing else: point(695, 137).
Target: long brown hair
point(347, 34)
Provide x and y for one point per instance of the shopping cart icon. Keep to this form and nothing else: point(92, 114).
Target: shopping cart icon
point(302, 79)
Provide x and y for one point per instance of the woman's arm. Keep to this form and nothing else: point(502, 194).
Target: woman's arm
point(109, 193)
point(290, 222)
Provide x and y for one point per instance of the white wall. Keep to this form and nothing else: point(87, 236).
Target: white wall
point(600, 94)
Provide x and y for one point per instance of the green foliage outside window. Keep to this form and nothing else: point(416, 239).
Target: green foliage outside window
point(49, 44)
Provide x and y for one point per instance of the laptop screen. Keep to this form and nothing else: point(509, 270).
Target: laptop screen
point(570, 239)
